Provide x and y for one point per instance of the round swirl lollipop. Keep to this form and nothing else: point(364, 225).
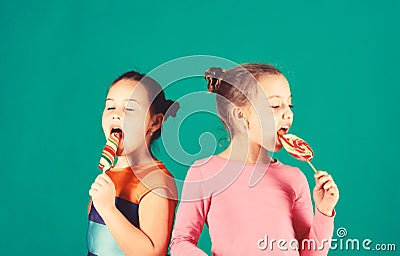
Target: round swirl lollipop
point(109, 152)
point(298, 148)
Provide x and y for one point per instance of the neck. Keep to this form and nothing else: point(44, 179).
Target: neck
point(246, 151)
point(121, 162)
point(134, 158)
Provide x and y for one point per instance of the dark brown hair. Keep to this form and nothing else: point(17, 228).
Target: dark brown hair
point(236, 86)
point(159, 104)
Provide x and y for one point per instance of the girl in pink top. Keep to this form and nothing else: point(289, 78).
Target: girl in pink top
point(251, 203)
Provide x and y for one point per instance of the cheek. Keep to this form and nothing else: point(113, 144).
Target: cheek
point(256, 130)
point(104, 122)
point(135, 125)
point(268, 128)
point(147, 119)
point(263, 124)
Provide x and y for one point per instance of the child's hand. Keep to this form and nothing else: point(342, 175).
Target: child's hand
point(103, 193)
point(326, 193)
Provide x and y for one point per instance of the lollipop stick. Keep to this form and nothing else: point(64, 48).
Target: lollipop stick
point(312, 166)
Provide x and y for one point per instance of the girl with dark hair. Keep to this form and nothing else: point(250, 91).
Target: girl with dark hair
point(132, 205)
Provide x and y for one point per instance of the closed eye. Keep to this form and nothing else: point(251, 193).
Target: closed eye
point(111, 108)
point(277, 106)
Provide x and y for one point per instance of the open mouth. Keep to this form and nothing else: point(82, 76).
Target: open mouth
point(116, 130)
point(283, 130)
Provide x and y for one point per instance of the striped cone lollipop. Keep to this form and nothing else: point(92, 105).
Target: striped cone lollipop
point(297, 148)
point(110, 150)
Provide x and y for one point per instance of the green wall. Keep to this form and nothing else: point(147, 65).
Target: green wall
point(57, 59)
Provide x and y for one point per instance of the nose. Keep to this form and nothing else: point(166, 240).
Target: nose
point(116, 117)
point(117, 113)
point(287, 114)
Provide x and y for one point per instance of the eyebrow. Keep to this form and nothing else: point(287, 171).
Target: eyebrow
point(125, 100)
point(277, 96)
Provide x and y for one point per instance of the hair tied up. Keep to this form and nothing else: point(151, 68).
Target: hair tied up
point(214, 77)
point(171, 108)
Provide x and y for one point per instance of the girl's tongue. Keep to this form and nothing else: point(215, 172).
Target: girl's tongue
point(120, 135)
point(281, 132)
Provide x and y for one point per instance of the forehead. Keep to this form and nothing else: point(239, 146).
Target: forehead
point(275, 85)
point(128, 89)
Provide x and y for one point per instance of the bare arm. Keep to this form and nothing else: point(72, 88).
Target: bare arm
point(156, 215)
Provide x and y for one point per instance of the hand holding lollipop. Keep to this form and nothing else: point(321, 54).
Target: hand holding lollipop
point(326, 193)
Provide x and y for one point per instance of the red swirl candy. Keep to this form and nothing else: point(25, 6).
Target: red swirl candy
point(296, 147)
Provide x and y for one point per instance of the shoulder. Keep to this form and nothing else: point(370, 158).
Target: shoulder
point(156, 178)
point(205, 167)
point(199, 181)
point(289, 170)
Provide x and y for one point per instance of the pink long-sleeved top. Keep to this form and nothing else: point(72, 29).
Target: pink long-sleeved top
point(250, 209)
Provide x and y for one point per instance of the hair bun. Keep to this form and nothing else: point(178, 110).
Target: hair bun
point(171, 107)
point(213, 77)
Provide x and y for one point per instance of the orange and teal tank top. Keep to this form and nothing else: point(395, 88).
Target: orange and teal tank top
point(131, 185)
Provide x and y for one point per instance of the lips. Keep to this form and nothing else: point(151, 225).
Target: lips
point(117, 129)
point(283, 130)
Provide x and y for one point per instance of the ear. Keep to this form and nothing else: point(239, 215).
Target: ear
point(156, 122)
point(240, 117)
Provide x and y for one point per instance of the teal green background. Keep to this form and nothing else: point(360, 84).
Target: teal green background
point(58, 58)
